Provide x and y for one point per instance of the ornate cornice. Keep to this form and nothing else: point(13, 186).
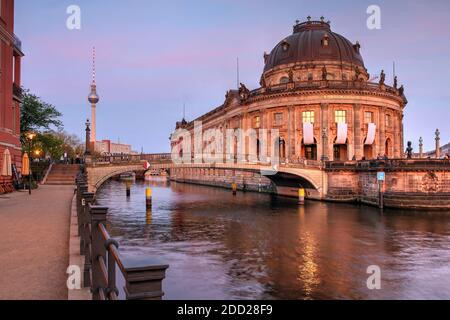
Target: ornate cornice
point(289, 93)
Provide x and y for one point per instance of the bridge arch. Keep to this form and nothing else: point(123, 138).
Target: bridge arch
point(97, 176)
point(287, 182)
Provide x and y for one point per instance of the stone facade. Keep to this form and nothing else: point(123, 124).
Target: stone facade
point(408, 183)
point(246, 181)
point(327, 90)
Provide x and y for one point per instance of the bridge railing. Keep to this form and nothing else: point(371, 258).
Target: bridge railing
point(162, 157)
point(390, 164)
point(230, 158)
point(143, 277)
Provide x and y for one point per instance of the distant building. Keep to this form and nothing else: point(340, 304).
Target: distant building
point(113, 148)
point(10, 88)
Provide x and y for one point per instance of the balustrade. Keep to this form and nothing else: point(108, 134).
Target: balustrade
point(143, 276)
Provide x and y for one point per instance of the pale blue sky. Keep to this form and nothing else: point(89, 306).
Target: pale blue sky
point(154, 55)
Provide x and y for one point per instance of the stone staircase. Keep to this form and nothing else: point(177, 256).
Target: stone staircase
point(63, 174)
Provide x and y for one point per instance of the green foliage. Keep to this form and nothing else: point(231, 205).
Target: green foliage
point(50, 144)
point(55, 144)
point(37, 115)
point(42, 118)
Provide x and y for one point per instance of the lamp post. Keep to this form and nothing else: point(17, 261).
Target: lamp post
point(30, 137)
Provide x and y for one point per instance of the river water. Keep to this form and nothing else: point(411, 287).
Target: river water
point(256, 246)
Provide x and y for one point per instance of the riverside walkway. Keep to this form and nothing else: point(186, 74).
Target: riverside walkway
point(34, 243)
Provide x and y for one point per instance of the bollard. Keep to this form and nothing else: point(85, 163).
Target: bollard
point(128, 189)
point(234, 188)
point(148, 197)
point(148, 216)
point(301, 196)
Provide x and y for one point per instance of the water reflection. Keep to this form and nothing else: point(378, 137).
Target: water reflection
point(248, 246)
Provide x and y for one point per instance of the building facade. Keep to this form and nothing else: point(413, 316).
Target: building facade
point(316, 91)
point(112, 148)
point(10, 88)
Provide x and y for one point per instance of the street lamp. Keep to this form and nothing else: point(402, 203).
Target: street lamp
point(30, 136)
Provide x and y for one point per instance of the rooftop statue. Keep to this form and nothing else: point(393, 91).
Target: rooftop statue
point(409, 150)
point(382, 77)
point(244, 93)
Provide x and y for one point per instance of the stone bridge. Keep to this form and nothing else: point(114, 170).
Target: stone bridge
point(409, 183)
point(287, 178)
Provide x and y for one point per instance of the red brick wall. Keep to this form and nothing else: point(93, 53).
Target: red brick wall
point(9, 108)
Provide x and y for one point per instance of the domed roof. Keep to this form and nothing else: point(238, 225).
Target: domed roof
point(314, 41)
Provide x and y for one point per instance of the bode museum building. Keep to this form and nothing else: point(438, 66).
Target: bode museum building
point(317, 92)
point(329, 115)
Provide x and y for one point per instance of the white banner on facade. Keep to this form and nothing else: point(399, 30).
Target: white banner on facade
point(341, 133)
point(371, 134)
point(308, 133)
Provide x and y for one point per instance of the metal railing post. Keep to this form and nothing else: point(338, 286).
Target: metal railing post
point(98, 251)
point(85, 238)
point(81, 188)
point(143, 279)
point(87, 198)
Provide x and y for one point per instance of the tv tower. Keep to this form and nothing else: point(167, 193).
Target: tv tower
point(93, 99)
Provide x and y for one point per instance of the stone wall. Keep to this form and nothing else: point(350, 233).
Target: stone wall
point(223, 178)
point(428, 189)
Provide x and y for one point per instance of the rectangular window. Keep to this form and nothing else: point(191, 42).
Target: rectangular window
point(388, 121)
point(278, 119)
point(340, 116)
point(256, 122)
point(308, 116)
point(368, 117)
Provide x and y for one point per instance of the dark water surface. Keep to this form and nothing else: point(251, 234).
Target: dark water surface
point(254, 246)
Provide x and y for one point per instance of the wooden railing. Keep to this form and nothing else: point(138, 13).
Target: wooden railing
point(143, 276)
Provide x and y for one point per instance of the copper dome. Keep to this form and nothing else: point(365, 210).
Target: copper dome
point(314, 41)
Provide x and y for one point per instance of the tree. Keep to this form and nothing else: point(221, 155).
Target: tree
point(50, 144)
point(37, 115)
point(55, 144)
point(72, 145)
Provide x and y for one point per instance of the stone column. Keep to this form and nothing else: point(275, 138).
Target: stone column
point(325, 132)
point(398, 145)
point(297, 150)
point(382, 131)
point(420, 148)
point(357, 132)
point(290, 143)
point(264, 140)
point(438, 144)
point(402, 140)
